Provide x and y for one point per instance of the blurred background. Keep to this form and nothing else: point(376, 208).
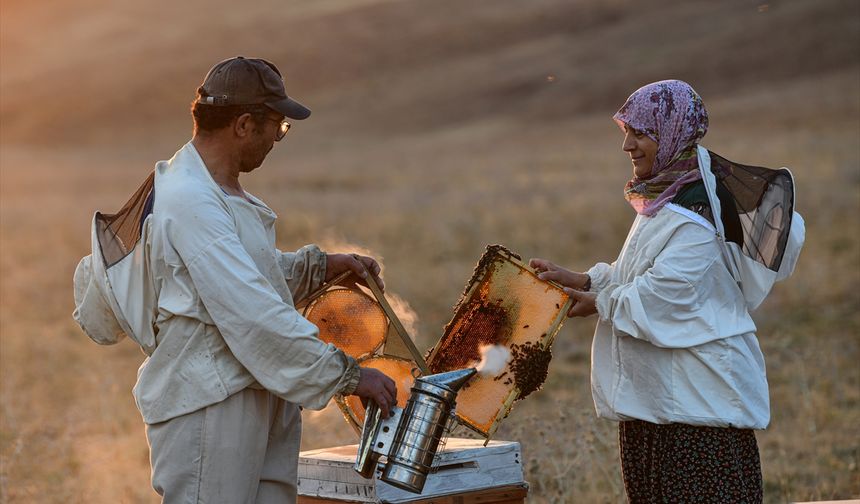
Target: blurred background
point(437, 128)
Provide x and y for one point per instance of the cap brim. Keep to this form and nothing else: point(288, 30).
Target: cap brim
point(290, 108)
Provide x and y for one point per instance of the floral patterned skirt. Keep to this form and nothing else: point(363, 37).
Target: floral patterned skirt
point(686, 463)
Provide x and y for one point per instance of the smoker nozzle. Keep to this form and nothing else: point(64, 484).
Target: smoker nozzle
point(453, 380)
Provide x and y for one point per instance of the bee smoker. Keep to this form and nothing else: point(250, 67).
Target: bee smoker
point(410, 437)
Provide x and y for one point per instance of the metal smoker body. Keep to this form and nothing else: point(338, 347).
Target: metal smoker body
point(410, 437)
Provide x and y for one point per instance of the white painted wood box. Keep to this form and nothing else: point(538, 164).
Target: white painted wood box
point(466, 471)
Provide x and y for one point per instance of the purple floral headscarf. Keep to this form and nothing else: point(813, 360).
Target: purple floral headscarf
point(672, 114)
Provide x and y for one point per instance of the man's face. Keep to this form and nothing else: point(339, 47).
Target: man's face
point(261, 140)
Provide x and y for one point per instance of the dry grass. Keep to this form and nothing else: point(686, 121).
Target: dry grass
point(433, 135)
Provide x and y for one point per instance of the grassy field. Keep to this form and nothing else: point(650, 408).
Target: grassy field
point(438, 128)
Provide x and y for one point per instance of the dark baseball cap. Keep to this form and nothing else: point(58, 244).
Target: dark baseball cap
point(249, 81)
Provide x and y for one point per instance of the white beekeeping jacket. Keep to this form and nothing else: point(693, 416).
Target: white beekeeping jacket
point(675, 341)
point(209, 298)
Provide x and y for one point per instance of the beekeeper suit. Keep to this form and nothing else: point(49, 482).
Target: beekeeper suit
point(210, 299)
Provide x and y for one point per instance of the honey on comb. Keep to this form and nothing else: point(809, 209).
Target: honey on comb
point(483, 323)
point(350, 320)
point(504, 303)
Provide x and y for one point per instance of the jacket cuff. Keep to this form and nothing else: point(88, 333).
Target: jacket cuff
point(349, 381)
point(599, 275)
point(304, 270)
point(319, 259)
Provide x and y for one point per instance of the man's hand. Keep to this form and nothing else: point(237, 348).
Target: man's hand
point(374, 385)
point(338, 263)
point(549, 271)
point(583, 303)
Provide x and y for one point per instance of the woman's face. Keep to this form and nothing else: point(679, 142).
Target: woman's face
point(642, 151)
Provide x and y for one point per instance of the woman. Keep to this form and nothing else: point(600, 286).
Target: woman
point(675, 358)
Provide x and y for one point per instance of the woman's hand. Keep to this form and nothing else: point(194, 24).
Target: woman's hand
point(550, 271)
point(338, 263)
point(584, 303)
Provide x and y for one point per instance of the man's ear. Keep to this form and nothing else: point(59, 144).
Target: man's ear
point(243, 125)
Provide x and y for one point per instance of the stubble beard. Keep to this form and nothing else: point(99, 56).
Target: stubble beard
point(252, 156)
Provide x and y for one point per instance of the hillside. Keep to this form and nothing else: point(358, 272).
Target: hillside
point(121, 70)
point(437, 128)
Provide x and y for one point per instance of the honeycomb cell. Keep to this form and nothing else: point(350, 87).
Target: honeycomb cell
point(350, 320)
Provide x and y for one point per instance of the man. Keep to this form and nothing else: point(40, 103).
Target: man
point(222, 389)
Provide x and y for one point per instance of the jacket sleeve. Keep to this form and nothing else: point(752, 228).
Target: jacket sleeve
point(304, 270)
point(279, 347)
point(600, 274)
point(681, 300)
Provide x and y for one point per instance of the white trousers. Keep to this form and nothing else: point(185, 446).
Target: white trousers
point(244, 449)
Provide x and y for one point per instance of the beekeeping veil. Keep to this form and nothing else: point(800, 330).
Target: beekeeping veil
point(114, 292)
point(773, 233)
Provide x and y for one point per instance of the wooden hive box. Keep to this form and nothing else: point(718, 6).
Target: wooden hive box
point(465, 472)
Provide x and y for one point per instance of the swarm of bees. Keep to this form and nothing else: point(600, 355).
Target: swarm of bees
point(529, 366)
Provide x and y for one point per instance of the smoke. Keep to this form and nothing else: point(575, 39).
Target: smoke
point(404, 312)
point(494, 358)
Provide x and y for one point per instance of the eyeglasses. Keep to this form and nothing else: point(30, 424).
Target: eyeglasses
point(283, 128)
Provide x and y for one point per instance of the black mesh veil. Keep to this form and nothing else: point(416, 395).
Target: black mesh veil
point(118, 233)
point(764, 200)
